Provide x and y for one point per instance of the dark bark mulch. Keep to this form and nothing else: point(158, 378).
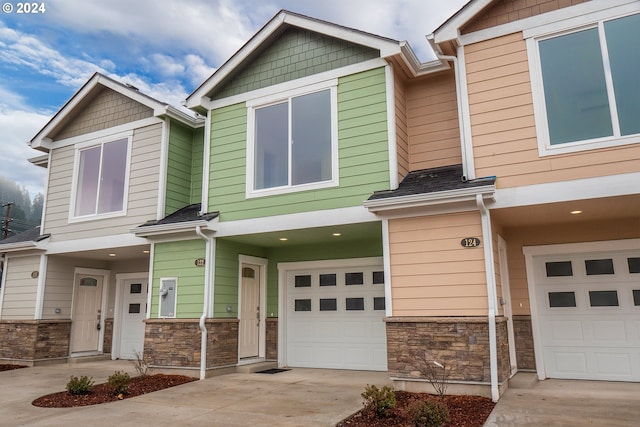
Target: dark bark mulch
point(11, 367)
point(464, 411)
point(102, 393)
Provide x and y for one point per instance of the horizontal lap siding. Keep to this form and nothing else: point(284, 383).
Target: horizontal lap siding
point(503, 126)
point(177, 259)
point(431, 273)
point(197, 156)
point(20, 288)
point(402, 137)
point(363, 155)
point(433, 127)
point(143, 190)
point(179, 166)
point(58, 289)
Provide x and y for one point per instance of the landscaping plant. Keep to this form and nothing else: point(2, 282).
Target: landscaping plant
point(379, 400)
point(429, 414)
point(81, 385)
point(119, 382)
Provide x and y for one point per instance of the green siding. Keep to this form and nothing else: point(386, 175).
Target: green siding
point(297, 53)
point(363, 155)
point(177, 259)
point(179, 167)
point(197, 155)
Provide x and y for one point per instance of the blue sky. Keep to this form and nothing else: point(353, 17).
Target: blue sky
point(165, 48)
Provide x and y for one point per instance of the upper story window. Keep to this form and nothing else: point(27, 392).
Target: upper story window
point(101, 179)
point(587, 87)
point(292, 143)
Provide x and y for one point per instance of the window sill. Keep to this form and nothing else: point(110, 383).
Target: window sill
point(252, 194)
point(573, 147)
point(97, 217)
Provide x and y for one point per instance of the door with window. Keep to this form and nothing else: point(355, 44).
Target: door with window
point(134, 308)
point(87, 315)
point(249, 312)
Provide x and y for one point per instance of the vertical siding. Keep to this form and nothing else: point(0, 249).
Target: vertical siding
point(143, 190)
point(363, 155)
point(20, 288)
point(179, 167)
point(433, 128)
point(108, 109)
point(503, 125)
point(402, 137)
point(177, 259)
point(432, 274)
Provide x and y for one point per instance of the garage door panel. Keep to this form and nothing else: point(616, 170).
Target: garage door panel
point(566, 330)
point(609, 331)
point(567, 362)
point(611, 363)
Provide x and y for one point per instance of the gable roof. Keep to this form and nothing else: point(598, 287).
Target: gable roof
point(449, 29)
point(285, 19)
point(94, 85)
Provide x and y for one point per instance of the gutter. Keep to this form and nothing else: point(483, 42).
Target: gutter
point(208, 285)
point(154, 230)
point(491, 295)
point(427, 199)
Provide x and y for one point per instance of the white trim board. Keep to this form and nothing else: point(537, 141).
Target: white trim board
point(96, 243)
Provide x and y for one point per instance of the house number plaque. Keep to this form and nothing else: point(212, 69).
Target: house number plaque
point(470, 242)
point(199, 262)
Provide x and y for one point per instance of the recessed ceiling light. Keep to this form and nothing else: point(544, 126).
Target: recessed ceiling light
point(146, 251)
point(337, 234)
point(112, 254)
point(283, 239)
point(576, 212)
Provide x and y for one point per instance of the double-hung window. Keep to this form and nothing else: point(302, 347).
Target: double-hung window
point(101, 179)
point(587, 86)
point(292, 142)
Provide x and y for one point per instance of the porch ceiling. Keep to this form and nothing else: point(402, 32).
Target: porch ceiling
point(307, 236)
point(609, 208)
point(119, 254)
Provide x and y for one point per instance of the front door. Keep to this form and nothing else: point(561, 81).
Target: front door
point(86, 313)
point(249, 311)
point(134, 308)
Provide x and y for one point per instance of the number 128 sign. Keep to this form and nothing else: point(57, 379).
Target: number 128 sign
point(470, 242)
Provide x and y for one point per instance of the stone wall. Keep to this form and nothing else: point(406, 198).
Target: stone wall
point(271, 352)
point(107, 342)
point(32, 340)
point(176, 342)
point(524, 342)
point(461, 343)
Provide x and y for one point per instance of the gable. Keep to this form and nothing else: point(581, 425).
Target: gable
point(505, 11)
point(104, 109)
point(296, 53)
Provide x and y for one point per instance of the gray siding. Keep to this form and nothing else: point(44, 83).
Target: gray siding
point(297, 53)
point(20, 288)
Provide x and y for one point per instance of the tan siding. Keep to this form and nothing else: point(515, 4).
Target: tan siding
point(106, 109)
point(432, 274)
point(402, 138)
point(505, 11)
point(20, 288)
point(503, 125)
point(143, 190)
point(58, 288)
point(432, 122)
point(556, 234)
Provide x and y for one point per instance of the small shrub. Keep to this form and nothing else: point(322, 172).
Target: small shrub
point(379, 400)
point(82, 385)
point(119, 382)
point(140, 364)
point(429, 414)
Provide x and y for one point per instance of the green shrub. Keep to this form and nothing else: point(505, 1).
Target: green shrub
point(429, 414)
point(82, 385)
point(379, 400)
point(119, 382)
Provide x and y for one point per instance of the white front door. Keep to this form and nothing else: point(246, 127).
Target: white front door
point(134, 308)
point(86, 322)
point(249, 311)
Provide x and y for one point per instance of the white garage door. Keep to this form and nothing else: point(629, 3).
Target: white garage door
point(335, 318)
point(589, 315)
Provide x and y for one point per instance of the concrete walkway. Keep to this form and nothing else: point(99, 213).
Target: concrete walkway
point(299, 397)
point(568, 403)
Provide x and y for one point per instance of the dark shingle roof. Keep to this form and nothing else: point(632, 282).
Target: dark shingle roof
point(186, 214)
point(445, 178)
point(31, 235)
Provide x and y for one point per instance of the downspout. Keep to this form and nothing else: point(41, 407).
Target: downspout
point(491, 294)
point(209, 253)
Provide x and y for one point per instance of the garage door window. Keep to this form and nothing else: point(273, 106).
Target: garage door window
point(378, 277)
point(354, 279)
point(303, 281)
point(596, 267)
point(559, 269)
point(562, 299)
point(603, 298)
point(634, 265)
point(636, 297)
point(379, 304)
point(303, 305)
point(328, 304)
point(328, 280)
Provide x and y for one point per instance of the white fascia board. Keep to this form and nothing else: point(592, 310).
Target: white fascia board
point(449, 30)
point(96, 243)
point(181, 116)
point(21, 246)
point(42, 161)
point(429, 199)
point(180, 227)
point(325, 218)
point(555, 192)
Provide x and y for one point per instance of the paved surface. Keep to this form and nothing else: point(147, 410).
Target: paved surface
point(568, 403)
point(300, 397)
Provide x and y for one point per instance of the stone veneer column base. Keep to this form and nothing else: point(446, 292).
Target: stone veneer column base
point(460, 343)
point(174, 345)
point(34, 342)
point(271, 350)
point(525, 352)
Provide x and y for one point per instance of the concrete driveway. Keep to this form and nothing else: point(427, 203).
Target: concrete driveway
point(299, 397)
point(567, 403)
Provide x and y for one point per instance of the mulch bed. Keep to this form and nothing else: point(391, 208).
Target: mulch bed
point(102, 393)
point(11, 367)
point(464, 411)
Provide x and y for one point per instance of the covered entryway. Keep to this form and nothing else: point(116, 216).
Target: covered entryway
point(334, 314)
point(87, 311)
point(586, 308)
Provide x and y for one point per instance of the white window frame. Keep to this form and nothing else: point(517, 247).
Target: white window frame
point(175, 301)
point(265, 101)
point(556, 29)
point(76, 176)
